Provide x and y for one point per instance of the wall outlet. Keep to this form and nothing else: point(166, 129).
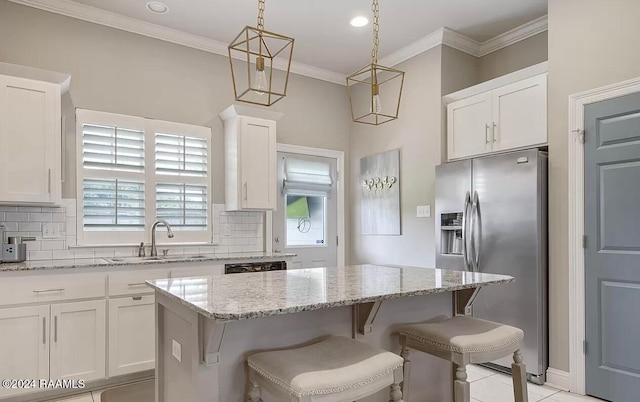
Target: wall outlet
point(51, 230)
point(176, 350)
point(423, 211)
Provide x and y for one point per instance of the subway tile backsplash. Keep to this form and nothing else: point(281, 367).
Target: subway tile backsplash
point(233, 232)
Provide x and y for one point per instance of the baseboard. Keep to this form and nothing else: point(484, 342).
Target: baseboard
point(558, 379)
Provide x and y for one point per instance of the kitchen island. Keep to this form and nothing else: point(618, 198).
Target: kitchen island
point(206, 326)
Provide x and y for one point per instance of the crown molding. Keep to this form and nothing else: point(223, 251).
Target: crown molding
point(515, 35)
point(456, 40)
point(443, 36)
point(413, 49)
point(95, 15)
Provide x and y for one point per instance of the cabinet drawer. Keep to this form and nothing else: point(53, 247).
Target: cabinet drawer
point(51, 288)
point(205, 270)
point(133, 282)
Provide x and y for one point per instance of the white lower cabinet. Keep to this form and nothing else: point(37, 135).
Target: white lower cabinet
point(78, 340)
point(24, 345)
point(131, 334)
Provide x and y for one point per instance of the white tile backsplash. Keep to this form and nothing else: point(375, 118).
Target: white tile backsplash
point(233, 232)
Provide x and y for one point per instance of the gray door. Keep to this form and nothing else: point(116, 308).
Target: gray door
point(306, 220)
point(612, 255)
point(508, 225)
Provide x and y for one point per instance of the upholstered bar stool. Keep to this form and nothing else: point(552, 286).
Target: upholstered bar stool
point(336, 369)
point(465, 340)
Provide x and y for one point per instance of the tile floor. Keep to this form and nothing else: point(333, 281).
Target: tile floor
point(486, 386)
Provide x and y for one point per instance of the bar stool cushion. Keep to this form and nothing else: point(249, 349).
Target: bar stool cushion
point(331, 366)
point(464, 334)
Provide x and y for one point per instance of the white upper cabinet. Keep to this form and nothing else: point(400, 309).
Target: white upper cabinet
point(520, 114)
point(469, 129)
point(499, 115)
point(250, 158)
point(30, 135)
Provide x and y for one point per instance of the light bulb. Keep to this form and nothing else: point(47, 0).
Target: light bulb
point(261, 77)
point(376, 105)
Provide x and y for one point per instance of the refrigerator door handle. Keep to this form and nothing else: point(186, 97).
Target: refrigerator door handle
point(465, 251)
point(476, 222)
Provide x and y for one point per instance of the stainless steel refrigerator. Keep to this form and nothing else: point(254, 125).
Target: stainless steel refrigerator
point(491, 216)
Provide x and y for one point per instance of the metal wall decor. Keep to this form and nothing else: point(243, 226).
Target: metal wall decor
point(380, 195)
point(251, 57)
point(375, 90)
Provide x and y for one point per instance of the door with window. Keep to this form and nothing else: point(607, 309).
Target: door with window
point(612, 253)
point(305, 222)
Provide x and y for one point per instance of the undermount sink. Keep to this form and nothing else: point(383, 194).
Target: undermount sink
point(158, 258)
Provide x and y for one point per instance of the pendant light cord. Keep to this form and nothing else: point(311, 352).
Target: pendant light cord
point(261, 15)
point(376, 39)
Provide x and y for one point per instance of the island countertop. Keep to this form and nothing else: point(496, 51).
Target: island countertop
point(245, 296)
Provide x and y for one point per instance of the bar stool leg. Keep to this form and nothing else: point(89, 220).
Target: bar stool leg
point(519, 374)
point(396, 393)
point(461, 388)
point(255, 393)
point(404, 353)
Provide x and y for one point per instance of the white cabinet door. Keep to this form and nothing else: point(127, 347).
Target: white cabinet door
point(469, 126)
point(24, 345)
point(520, 114)
point(30, 141)
point(258, 163)
point(131, 334)
point(78, 340)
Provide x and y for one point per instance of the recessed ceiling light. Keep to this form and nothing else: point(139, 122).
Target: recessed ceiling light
point(157, 7)
point(359, 21)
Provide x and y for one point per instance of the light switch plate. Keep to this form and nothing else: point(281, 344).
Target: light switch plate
point(423, 211)
point(176, 350)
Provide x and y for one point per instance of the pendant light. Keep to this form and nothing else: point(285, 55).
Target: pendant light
point(252, 55)
point(375, 90)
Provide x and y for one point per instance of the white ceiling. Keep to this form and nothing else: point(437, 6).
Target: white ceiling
point(324, 38)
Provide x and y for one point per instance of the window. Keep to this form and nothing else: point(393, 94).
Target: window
point(132, 171)
point(307, 183)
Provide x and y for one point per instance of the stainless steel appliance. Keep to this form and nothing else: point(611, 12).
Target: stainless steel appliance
point(255, 267)
point(15, 250)
point(495, 207)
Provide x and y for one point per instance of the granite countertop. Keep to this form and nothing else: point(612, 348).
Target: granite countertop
point(126, 261)
point(262, 294)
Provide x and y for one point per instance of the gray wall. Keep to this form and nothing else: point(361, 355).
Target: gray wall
point(419, 134)
point(591, 43)
point(120, 72)
point(523, 54)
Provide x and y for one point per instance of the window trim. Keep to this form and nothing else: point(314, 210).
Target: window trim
point(150, 127)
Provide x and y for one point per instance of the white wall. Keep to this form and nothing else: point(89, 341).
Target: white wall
point(419, 134)
point(512, 58)
point(591, 43)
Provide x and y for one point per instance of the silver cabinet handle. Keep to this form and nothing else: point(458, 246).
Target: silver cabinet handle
point(493, 132)
point(137, 284)
point(49, 181)
point(48, 290)
point(137, 298)
point(486, 134)
point(55, 328)
point(246, 190)
point(44, 330)
point(476, 222)
point(467, 201)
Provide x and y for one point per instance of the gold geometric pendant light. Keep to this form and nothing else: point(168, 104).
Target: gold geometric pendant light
point(375, 90)
point(251, 57)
